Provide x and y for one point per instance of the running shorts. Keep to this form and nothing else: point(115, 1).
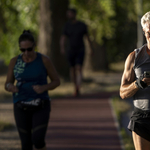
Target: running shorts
point(140, 123)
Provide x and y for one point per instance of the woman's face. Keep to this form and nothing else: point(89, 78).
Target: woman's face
point(27, 48)
point(147, 31)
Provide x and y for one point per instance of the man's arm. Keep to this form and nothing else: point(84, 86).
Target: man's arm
point(128, 87)
point(62, 43)
point(90, 43)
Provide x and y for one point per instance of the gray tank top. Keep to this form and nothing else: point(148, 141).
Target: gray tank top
point(141, 99)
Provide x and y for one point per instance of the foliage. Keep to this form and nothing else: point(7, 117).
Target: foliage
point(124, 39)
point(98, 17)
point(16, 16)
point(112, 23)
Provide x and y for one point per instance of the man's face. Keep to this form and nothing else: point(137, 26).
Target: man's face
point(146, 29)
point(70, 15)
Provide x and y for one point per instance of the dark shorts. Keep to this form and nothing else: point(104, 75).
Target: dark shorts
point(76, 57)
point(140, 123)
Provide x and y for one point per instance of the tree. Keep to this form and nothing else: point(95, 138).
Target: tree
point(52, 19)
point(101, 27)
point(124, 39)
point(15, 16)
point(112, 27)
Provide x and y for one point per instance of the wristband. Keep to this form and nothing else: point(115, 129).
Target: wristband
point(140, 84)
point(136, 84)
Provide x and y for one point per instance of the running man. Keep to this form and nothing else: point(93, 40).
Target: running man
point(75, 31)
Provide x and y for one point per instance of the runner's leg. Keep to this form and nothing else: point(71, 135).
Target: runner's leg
point(73, 74)
point(140, 143)
point(40, 123)
point(78, 67)
point(78, 78)
point(24, 125)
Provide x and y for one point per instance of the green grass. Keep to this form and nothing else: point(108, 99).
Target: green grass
point(5, 125)
point(118, 66)
point(127, 140)
point(120, 107)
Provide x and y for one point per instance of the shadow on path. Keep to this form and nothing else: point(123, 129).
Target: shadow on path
point(84, 123)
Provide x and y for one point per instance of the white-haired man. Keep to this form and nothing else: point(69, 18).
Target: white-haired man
point(136, 83)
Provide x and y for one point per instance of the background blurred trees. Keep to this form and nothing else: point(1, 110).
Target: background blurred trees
point(52, 19)
point(98, 15)
point(15, 16)
point(112, 26)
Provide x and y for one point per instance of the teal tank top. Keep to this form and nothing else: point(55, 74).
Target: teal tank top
point(27, 75)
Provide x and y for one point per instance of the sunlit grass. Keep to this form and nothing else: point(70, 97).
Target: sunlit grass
point(5, 125)
point(3, 93)
point(127, 140)
point(120, 107)
point(93, 82)
point(119, 66)
point(63, 90)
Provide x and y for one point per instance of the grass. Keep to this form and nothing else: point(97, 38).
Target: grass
point(118, 66)
point(127, 140)
point(3, 93)
point(120, 107)
point(5, 125)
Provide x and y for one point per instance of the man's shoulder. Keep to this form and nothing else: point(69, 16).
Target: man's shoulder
point(140, 50)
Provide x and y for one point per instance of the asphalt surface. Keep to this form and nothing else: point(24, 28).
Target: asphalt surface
point(84, 123)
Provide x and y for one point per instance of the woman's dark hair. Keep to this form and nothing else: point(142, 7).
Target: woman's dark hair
point(26, 36)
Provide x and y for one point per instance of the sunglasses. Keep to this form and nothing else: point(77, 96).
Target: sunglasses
point(26, 49)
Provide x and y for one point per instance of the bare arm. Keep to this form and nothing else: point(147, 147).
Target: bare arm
point(128, 87)
point(52, 75)
point(9, 84)
point(62, 43)
point(90, 43)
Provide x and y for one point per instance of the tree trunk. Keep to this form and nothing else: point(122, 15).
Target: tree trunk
point(52, 19)
point(98, 61)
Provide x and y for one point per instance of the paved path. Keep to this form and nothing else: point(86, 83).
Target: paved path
point(86, 123)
